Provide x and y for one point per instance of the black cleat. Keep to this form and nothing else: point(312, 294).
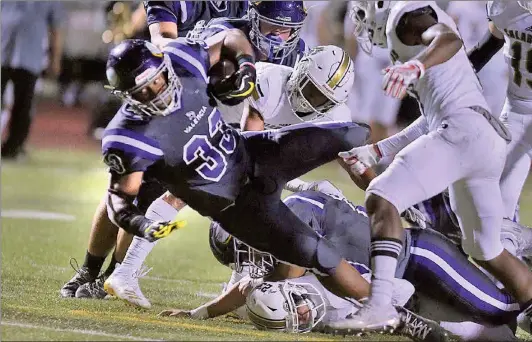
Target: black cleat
point(81, 277)
point(92, 290)
point(419, 328)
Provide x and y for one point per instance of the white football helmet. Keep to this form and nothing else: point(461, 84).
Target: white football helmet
point(321, 80)
point(370, 19)
point(285, 306)
point(259, 264)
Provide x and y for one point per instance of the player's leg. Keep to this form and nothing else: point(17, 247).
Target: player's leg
point(268, 225)
point(298, 149)
point(518, 160)
point(101, 240)
point(438, 269)
point(421, 170)
point(123, 282)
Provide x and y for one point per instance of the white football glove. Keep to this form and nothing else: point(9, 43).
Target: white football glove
point(361, 158)
point(402, 290)
point(416, 217)
point(397, 78)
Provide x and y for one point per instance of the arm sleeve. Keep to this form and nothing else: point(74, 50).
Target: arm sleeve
point(485, 49)
point(191, 55)
point(395, 143)
point(123, 213)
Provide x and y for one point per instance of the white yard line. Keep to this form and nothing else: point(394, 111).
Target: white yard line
point(77, 331)
point(207, 294)
point(36, 215)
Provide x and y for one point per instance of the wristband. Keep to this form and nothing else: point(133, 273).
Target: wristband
point(200, 313)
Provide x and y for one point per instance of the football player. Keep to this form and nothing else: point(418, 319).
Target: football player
point(454, 132)
point(166, 20)
point(509, 23)
point(273, 27)
point(283, 97)
point(436, 267)
point(235, 178)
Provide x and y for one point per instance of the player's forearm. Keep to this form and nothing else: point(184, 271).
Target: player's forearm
point(442, 45)
point(392, 145)
point(485, 49)
point(235, 45)
point(224, 304)
point(123, 213)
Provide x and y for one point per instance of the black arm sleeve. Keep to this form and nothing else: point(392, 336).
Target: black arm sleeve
point(125, 214)
point(486, 48)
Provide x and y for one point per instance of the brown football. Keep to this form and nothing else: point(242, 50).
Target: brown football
point(221, 70)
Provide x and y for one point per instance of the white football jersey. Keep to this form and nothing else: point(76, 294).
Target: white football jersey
point(271, 100)
point(445, 88)
point(516, 25)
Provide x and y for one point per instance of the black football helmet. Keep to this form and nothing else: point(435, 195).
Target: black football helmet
point(135, 63)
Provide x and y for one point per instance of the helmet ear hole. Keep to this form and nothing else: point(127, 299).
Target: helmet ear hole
point(380, 4)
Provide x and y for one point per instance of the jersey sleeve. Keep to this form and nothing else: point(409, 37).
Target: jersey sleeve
point(126, 151)
point(271, 84)
point(190, 55)
point(163, 11)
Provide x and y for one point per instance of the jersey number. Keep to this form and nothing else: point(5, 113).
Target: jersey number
point(214, 157)
point(517, 54)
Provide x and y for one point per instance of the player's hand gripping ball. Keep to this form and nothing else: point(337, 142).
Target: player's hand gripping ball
point(234, 88)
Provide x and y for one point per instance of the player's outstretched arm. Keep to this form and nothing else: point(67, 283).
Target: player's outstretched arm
point(486, 48)
point(420, 28)
point(123, 213)
point(225, 303)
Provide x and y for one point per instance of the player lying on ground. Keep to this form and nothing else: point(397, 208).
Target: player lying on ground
point(273, 30)
point(431, 262)
point(445, 148)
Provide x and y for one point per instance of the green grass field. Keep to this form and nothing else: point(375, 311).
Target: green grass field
point(36, 252)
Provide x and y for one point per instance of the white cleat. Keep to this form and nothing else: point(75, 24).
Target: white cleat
point(368, 319)
point(521, 237)
point(127, 287)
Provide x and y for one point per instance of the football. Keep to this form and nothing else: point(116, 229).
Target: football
point(221, 70)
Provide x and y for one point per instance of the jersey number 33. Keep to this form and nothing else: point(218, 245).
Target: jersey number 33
point(200, 147)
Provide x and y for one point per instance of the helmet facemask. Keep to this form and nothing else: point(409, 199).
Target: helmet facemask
point(259, 264)
point(165, 102)
point(303, 90)
point(369, 18)
point(306, 306)
point(271, 45)
point(527, 5)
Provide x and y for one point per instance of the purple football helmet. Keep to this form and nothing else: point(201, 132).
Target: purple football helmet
point(287, 14)
point(131, 66)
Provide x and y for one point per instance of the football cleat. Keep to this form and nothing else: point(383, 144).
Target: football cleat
point(368, 319)
point(419, 328)
point(92, 290)
point(127, 288)
point(521, 237)
point(81, 277)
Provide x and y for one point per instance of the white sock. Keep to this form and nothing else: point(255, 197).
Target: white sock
point(470, 331)
point(139, 249)
point(384, 253)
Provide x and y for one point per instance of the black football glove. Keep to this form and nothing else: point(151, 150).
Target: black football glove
point(237, 87)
